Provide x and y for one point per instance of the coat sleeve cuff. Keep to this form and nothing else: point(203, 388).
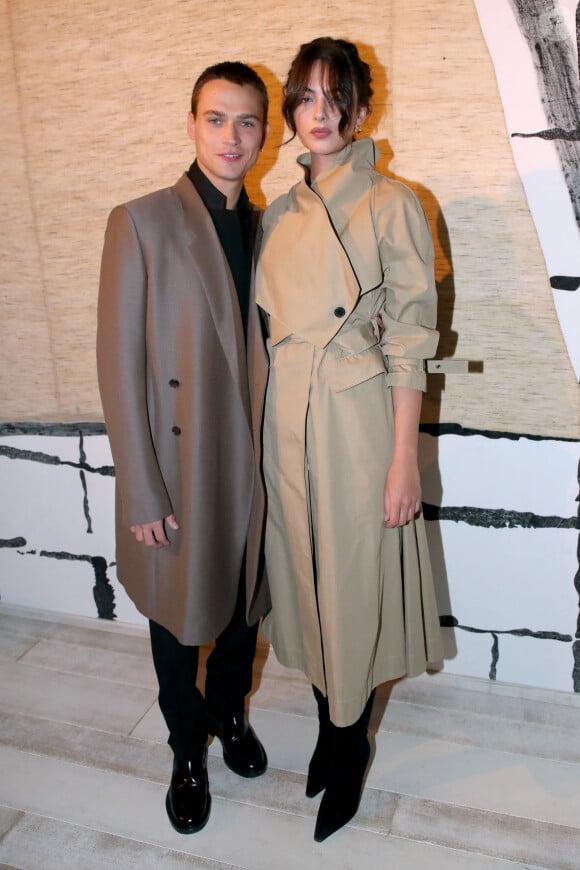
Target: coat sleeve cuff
point(406, 373)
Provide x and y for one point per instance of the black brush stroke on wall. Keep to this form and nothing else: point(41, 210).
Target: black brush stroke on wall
point(556, 64)
point(449, 621)
point(59, 430)
point(50, 459)
point(498, 518)
point(103, 591)
point(12, 542)
point(564, 282)
point(439, 429)
point(86, 506)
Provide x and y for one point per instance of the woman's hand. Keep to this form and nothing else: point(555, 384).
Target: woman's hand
point(402, 492)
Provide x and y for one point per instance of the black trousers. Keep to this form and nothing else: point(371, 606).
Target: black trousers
point(228, 679)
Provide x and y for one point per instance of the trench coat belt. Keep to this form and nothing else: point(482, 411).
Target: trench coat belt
point(351, 358)
point(352, 339)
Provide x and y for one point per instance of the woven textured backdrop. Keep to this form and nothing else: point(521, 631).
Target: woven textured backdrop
point(95, 96)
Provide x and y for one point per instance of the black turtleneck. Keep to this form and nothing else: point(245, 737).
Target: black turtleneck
point(234, 229)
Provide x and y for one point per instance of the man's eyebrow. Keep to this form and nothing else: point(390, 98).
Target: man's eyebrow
point(242, 115)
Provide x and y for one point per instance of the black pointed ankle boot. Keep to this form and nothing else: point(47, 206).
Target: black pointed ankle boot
point(318, 768)
point(350, 757)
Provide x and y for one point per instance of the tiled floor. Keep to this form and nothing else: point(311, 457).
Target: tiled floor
point(466, 775)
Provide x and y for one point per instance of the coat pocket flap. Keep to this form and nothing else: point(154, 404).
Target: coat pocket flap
point(348, 371)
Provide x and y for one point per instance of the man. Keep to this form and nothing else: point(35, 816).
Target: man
point(182, 371)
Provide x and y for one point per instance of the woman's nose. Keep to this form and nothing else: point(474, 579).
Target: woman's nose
point(320, 109)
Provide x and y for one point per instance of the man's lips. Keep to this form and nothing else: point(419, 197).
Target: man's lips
point(231, 155)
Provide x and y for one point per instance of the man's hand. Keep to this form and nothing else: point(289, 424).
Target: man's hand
point(153, 534)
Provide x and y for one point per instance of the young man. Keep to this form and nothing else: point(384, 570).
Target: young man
point(182, 371)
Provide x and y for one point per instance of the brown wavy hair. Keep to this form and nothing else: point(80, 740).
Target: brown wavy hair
point(348, 79)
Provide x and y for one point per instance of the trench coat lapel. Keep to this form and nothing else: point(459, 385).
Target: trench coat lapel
point(304, 295)
point(339, 256)
point(210, 264)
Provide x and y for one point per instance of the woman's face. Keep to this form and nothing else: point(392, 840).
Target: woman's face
point(317, 119)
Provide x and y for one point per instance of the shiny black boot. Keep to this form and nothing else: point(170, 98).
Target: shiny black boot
point(318, 769)
point(243, 753)
point(188, 800)
point(350, 757)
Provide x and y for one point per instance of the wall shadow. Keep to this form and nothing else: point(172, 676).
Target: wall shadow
point(269, 155)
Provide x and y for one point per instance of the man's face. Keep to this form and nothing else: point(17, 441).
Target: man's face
point(229, 132)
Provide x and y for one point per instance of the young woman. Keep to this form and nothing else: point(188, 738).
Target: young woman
point(346, 280)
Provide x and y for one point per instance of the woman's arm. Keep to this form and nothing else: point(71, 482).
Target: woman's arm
point(403, 485)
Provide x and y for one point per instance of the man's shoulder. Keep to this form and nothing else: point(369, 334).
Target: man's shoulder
point(152, 203)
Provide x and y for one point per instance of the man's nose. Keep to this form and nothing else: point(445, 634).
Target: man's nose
point(231, 132)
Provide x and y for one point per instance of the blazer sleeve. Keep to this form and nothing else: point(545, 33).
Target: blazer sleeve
point(409, 314)
point(122, 372)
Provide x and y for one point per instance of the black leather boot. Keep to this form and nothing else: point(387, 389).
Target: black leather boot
point(318, 768)
point(188, 800)
point(242, 750)
point(350, 756)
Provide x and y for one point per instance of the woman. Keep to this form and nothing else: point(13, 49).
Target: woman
point(346, 279)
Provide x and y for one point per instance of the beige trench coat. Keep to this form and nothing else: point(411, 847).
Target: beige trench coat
point(183, 403)
point(353, 602)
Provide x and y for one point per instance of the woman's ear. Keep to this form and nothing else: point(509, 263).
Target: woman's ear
point(362, 115)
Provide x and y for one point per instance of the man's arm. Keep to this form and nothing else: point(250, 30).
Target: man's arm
point(122, 370)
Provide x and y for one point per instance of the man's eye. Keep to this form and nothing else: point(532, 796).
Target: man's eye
point(215, 121)
point(248, 124)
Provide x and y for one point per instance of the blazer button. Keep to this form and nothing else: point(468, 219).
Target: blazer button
point(176, 430)
point(339, 312)
point(173, 383)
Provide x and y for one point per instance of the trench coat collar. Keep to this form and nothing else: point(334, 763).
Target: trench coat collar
point(361, 153)
point(209, 261)
point(322, 253)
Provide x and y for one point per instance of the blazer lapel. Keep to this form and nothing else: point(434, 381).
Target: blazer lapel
point(215, 277)
point(256, 352)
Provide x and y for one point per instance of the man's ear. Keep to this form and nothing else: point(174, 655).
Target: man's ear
point(191, 126)
point(265, 134)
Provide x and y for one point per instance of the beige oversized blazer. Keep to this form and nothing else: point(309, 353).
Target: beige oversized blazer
point(182, 402)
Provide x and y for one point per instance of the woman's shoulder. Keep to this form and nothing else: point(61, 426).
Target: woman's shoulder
point(394, 200)
point(277, 208)
point(390, 191)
